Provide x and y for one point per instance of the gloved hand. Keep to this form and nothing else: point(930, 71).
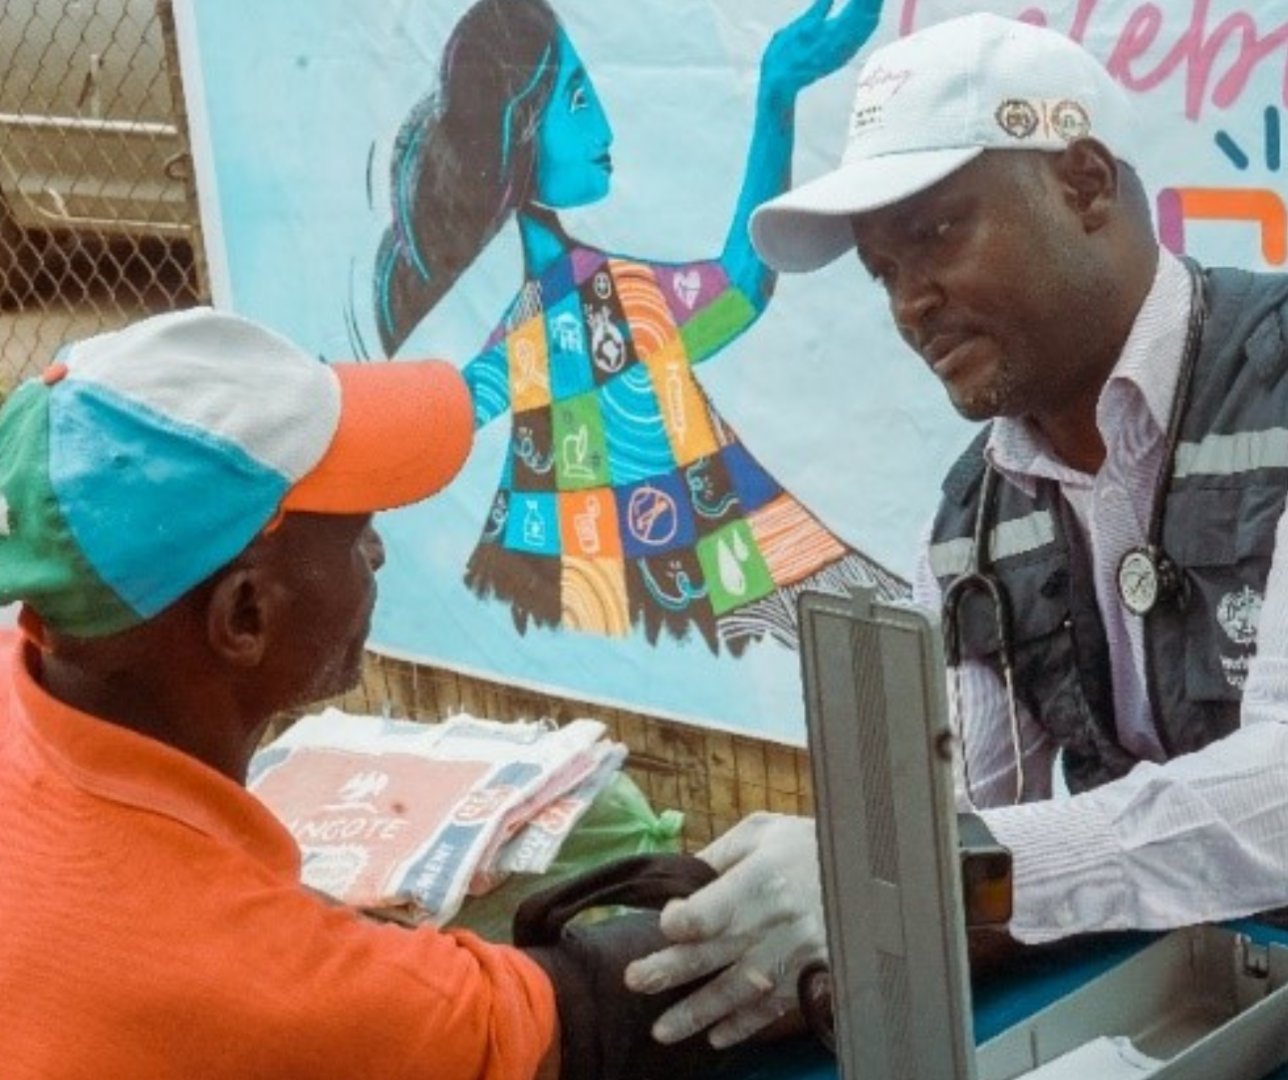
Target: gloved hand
point(605, 1028)
point(761, 920)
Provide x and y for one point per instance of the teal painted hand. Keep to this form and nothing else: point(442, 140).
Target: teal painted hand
point(816, 44)
point(810, 47)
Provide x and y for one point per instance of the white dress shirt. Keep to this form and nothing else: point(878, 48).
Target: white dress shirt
point(1200, 838)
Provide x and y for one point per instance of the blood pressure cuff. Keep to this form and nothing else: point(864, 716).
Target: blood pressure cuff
point(605, 1028)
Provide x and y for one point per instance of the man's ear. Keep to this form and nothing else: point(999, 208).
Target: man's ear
point(1089, 175)
point(238, 616)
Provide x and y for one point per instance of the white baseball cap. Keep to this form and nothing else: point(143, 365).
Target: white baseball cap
point(931, 102)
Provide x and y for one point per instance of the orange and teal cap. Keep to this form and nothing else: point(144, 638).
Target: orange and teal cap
point(148, 458)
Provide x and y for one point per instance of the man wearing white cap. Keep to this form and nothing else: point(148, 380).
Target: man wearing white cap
point(1107, 556)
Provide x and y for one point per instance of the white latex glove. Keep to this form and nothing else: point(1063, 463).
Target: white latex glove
point(762, 918)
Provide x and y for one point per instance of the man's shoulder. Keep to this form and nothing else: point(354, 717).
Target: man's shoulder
point(1237, 285)
point(1247, 322)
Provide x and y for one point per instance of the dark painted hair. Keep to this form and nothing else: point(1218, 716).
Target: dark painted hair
point(464, 158)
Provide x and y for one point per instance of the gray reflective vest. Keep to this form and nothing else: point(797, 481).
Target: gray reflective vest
point(1223, 500)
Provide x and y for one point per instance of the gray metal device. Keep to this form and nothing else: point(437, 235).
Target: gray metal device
point(1203, 1001)
point(880, 751)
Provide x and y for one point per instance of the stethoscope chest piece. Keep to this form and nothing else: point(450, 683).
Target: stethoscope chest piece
point(1146, 577)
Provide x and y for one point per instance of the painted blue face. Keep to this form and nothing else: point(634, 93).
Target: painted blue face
point(574, 166)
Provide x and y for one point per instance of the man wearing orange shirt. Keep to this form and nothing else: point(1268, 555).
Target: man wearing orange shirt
point(185, 516)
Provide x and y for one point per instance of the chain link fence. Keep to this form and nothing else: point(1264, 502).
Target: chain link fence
point(98, 213)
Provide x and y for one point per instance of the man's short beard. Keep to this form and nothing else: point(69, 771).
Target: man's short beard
point(992, 401)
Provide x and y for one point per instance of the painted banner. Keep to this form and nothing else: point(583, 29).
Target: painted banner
point(670, 445)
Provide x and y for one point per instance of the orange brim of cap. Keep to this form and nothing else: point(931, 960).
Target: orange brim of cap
point(405, 430)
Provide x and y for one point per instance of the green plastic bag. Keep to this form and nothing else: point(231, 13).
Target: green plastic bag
point(618, 823)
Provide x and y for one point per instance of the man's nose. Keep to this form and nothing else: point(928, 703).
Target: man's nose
point(914, 296)
point(373, 548)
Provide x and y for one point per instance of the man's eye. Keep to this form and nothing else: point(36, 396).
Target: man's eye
point(578, 100)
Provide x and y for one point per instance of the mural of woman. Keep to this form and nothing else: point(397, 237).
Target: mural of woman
point(625, 500)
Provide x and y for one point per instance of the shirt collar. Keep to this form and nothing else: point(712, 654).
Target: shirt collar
point(122, 766)
point(1147, 368)
point(1151, 358)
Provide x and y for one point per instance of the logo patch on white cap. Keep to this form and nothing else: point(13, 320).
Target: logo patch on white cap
point(1065, 119)
point(1017, 118)
point(1070, 121)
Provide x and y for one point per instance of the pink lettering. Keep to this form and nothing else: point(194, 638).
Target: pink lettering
point(1197, 50)
point(1216, 62)
point(908, 18)
point(1139, 33)
point(1252, 52)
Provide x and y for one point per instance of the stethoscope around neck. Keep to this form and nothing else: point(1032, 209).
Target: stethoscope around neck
point(1147, 577)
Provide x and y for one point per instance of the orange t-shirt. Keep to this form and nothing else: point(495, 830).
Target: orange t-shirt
point(152, 925)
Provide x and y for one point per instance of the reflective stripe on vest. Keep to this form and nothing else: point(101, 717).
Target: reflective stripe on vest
point(1009, 538)
point(1228, 455)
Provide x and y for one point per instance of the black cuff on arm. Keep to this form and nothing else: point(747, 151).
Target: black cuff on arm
point(605, 1028)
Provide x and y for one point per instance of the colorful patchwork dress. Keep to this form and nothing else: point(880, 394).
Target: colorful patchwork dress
point(625, 500)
